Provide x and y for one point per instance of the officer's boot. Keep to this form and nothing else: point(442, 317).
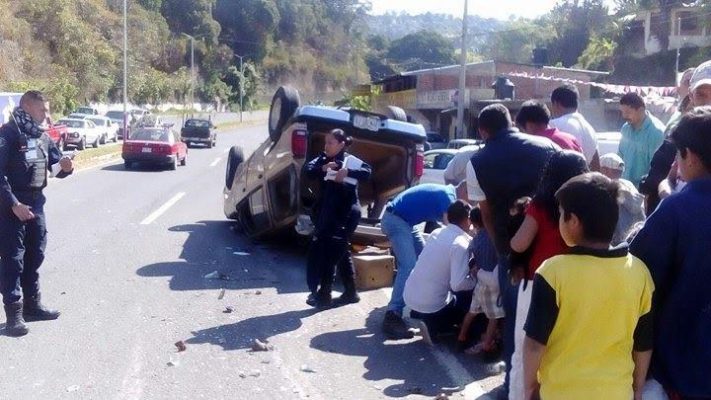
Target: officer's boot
point(35, 311)
point(350, 295)
point(15, 325)
point(323, 296)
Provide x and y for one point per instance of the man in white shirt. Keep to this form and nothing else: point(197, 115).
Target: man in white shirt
point(456, 170)
point(442, 270)
point(564, 101)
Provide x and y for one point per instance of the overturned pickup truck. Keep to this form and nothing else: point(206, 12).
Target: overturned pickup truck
point(266, 193)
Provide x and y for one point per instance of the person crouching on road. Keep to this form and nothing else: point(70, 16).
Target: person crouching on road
point(438, 290)
point(337, 213)
point(27, 155)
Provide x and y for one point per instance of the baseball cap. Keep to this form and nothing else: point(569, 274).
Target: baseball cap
point(612, 161)
point(701, 76)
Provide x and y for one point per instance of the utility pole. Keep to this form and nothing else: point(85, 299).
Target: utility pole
point(678, 47)
point(125, 70)
point(241, 86)
point(462, 76)
point(192, 69)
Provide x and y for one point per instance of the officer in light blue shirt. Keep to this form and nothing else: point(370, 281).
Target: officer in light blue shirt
point(642, 135)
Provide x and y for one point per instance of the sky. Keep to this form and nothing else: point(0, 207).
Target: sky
point(500, 9)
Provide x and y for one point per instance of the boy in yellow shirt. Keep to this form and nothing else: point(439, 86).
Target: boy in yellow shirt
point(589, 328)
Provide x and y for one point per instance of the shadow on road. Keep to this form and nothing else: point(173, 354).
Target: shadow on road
point(211, 246)
point(135, 168)
point(409, 361)
point(241, 335)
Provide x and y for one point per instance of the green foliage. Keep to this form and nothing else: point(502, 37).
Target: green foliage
point(423, 49)
point(599, 54)
point(515, 43)
point(248, 82)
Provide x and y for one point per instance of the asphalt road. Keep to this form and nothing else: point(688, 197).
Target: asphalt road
point(126, 260)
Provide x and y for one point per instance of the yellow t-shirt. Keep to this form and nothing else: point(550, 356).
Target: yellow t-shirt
point(591, 308)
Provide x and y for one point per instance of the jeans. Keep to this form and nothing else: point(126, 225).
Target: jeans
point(407, 244)
point(22, 246)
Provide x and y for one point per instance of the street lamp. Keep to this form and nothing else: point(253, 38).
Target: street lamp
point(192, 69)
point(241, 86)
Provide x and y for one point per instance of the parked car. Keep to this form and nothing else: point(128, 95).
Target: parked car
point(139, 113)
point(150, 121)
point(436, 162)
point(266, 193)
point(56, 132)
point(459, 143)
point(109, 129)
point(160, 146)
point(116, 117)
point(608, 142)
point(87, 110)
point(199, 131)
point(80, 132)
point(436, 141)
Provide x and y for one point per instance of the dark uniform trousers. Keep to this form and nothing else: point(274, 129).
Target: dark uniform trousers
point(22, 250)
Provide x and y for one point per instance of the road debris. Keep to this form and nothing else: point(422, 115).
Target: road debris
point(221, 295)
point(258, 345)
point(255, 373)
point(173, 363)
point(180, 345)
point(242, 375)
point(217, 276)
point(258, 292)
point(228, 310)
point(72, 388)
point(442, 396)
point(306, 368)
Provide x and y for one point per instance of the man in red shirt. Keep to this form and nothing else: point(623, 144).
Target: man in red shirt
point(534, 118)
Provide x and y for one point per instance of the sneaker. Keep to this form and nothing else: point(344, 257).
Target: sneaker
point(425, 333)
point(395, 328)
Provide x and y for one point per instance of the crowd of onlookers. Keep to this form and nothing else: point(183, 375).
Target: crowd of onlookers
point(586, 272)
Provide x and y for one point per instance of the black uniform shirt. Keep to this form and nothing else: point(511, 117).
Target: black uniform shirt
point(16, 173)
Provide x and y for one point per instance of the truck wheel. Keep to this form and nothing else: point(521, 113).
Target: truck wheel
point(235, 158)
point(96, 143)
point(284, 103)
point(82, 144)
point(209, 145)
point(397, 113)
point(184, 161)
point(127, 165)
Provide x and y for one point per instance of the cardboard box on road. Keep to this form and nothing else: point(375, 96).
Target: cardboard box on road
point(373, 271)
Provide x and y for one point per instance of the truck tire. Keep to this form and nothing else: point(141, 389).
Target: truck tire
point(397, 113)
point(82, 144)
point(235, 158)
point(284, 103)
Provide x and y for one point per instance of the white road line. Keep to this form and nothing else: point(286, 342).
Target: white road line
point(157, 213)
point(217, 161)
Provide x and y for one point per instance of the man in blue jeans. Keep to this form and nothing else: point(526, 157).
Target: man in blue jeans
point(418, 204)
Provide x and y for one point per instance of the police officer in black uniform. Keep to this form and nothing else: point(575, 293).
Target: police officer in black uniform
point(27, 157)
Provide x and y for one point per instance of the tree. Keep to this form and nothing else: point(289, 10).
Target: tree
point(516, 41)
point(599, 54)
point(424, 49)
